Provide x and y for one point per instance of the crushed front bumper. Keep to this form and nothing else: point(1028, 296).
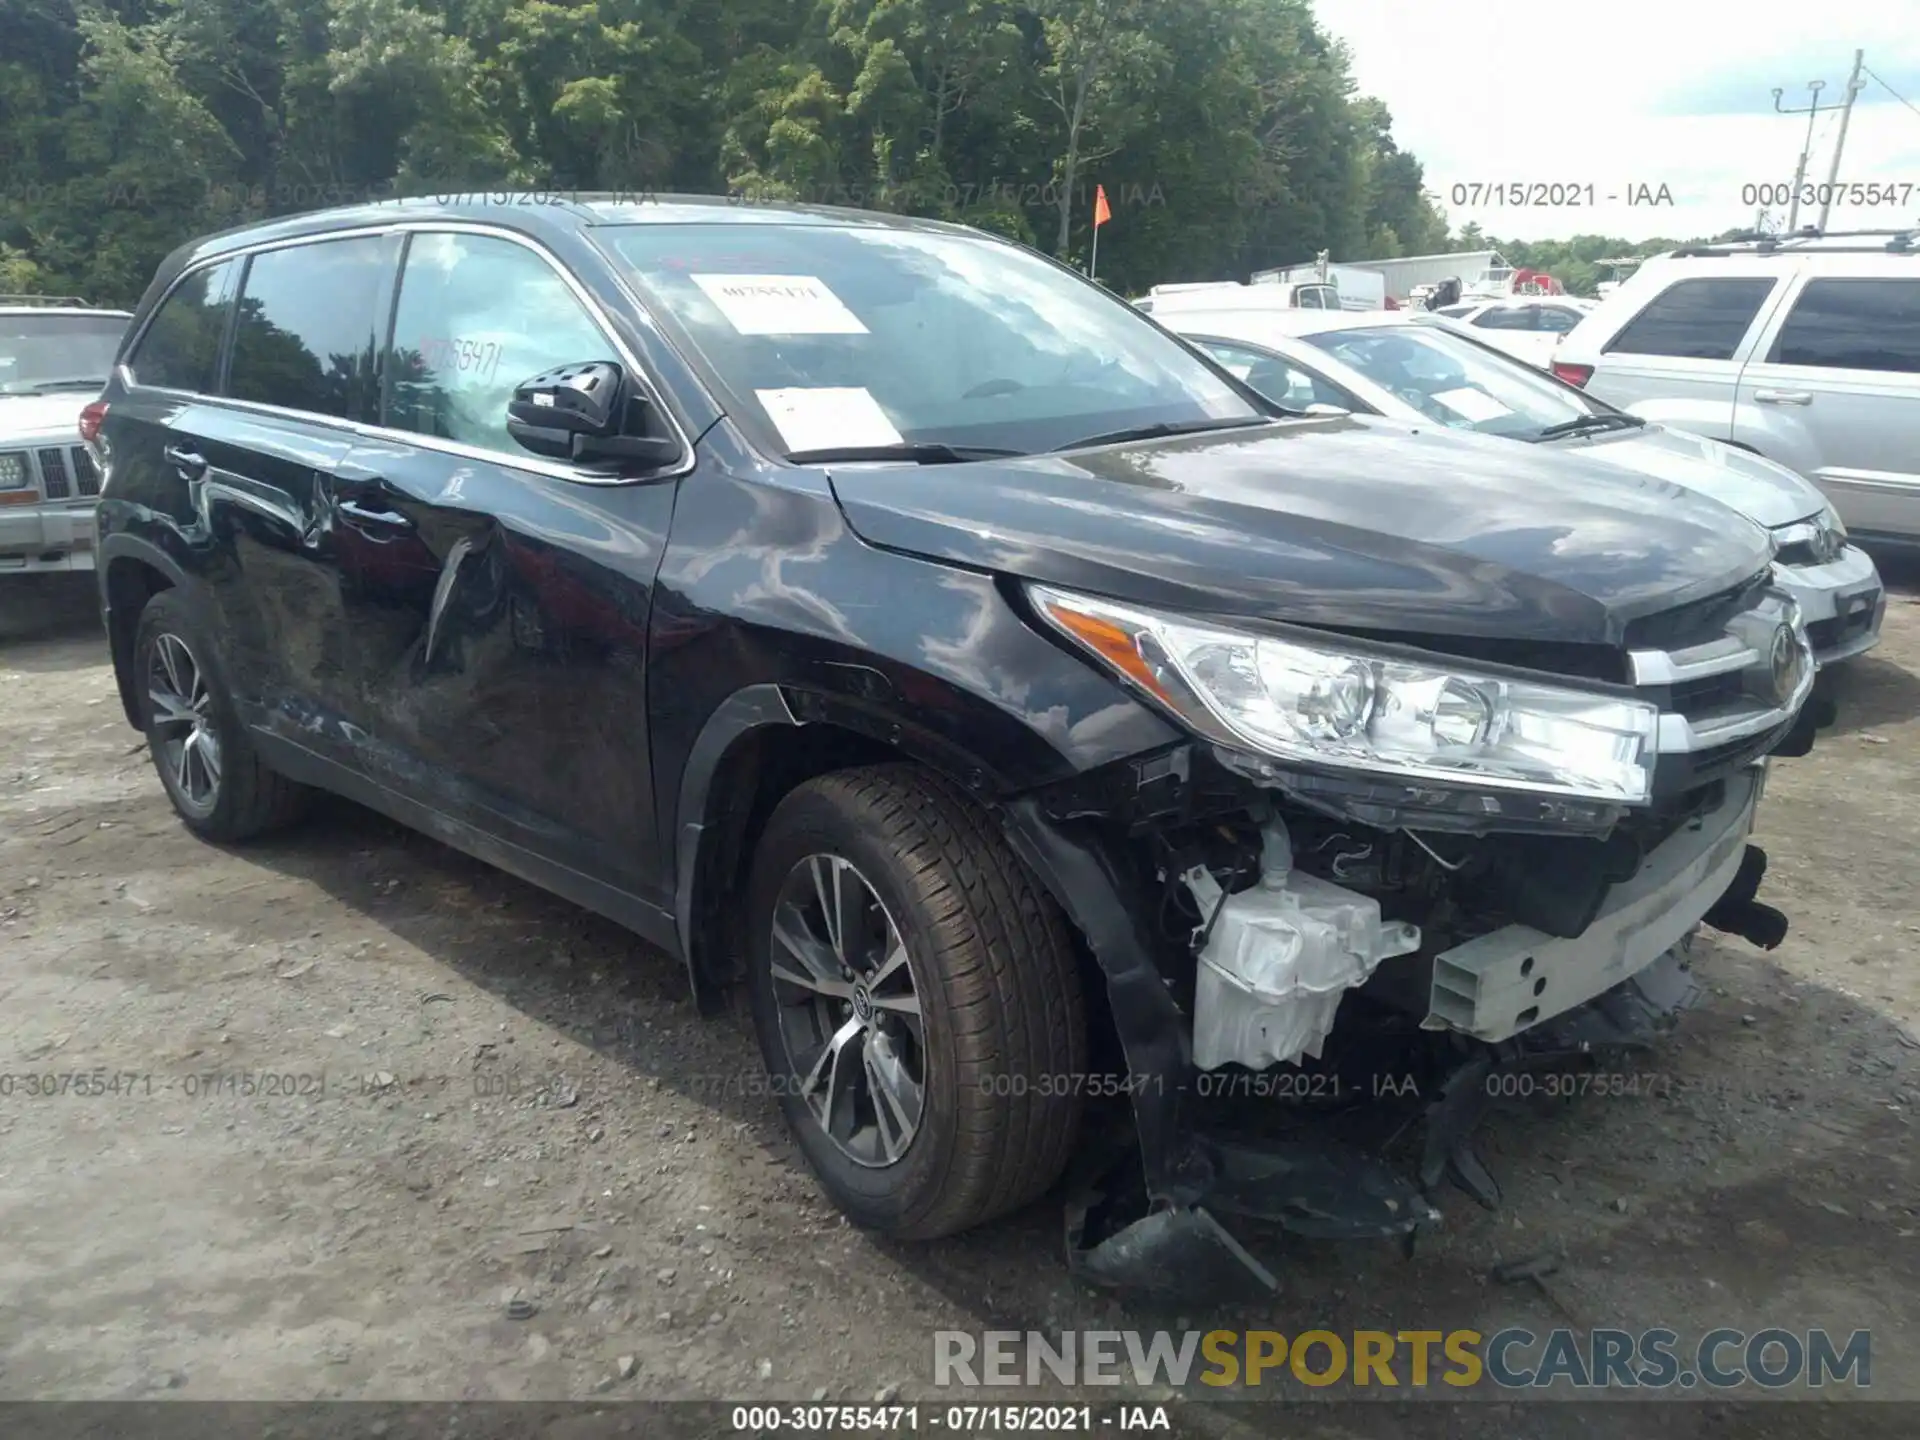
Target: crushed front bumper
point(1154, 1216)
point(1501, 983)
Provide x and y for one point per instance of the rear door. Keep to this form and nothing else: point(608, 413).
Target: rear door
point(173, 363)
point(502, 653)
point(299, 373)
point(1678, 360)
point(1834, 391)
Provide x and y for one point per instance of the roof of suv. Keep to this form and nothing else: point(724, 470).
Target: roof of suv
point(537, 213)
point(84, 312)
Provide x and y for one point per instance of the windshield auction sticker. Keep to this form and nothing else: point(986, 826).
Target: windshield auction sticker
point(780, 305)
point(1475, 405)
point(828, 418)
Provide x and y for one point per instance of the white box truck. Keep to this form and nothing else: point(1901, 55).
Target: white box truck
point(1358, 289)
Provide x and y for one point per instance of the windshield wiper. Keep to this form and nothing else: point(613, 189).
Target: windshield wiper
point(1583, 424)
point(921, 452)
point(1163, 428)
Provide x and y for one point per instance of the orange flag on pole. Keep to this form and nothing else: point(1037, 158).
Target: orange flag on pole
point(1101, 213)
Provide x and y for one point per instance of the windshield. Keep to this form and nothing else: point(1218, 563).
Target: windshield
point(1456, 381)
point(831, 337)
point(45, 352)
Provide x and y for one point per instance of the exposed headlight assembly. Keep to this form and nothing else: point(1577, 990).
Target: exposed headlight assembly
point(1833, 532)
point(1824, 535)
point(1319, 704)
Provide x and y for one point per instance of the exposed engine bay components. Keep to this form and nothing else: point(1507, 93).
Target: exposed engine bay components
point(1275, 959)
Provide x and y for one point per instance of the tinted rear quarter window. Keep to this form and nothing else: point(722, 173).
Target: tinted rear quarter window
point(181, 346)
point(1695, 319)
point(304, 336)
point(1862, 324)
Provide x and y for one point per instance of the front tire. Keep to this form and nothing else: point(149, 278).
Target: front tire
point(218, 785)
point(917, 1000)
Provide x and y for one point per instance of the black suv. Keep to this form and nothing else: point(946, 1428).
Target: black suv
point(1033, 720)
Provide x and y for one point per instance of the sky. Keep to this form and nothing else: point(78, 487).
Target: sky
point(1636, 93)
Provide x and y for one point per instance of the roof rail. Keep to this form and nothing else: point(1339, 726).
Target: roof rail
point(1756, 242)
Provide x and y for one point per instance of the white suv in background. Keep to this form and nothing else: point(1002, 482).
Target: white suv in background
point(55, 353)
point(1805, 350)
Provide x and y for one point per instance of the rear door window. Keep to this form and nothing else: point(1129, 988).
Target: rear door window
point(304, 335)
point(1695, 319)
point(1853, 324)
point(181, 347)
point(1557, 318)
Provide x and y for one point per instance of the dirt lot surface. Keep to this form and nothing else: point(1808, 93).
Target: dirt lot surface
point(498, 1097)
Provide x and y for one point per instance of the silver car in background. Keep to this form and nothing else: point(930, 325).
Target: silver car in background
point(1426, 371)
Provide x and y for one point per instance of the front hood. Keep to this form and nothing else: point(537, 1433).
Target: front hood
point(43, 417)
point(1762, 490)
point(1349, 522)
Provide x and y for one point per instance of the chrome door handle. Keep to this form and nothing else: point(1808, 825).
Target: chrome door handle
point(184, 459)
point(391, 518)
point(1783, 397)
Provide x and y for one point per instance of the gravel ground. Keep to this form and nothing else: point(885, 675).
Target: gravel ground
point(499, 1101)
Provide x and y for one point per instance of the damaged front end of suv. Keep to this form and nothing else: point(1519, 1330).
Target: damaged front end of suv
point(1475, 855)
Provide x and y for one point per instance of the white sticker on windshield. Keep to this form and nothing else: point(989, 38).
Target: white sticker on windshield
point(1475, 405)
point(780, 305)
point(828, 419)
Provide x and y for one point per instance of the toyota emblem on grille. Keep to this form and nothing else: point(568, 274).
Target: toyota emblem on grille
point(1787, 661)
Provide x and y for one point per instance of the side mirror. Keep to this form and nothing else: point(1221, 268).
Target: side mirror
point(1320, 407)
point(585, 413)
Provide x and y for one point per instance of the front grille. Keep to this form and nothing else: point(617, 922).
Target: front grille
point(1700, 621)
point(85, 471)
point(1721, 704)
point(1696, 698)
point(54, 483)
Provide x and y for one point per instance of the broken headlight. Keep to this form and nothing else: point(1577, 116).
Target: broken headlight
point(1321, 704)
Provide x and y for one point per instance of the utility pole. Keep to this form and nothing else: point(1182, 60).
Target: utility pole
point(1814, 87)
point(1854, 86)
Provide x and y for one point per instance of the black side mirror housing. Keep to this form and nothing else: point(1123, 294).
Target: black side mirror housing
point(587, 412)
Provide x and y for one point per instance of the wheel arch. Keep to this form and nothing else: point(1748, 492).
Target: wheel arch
point(757, 746)
point(132, 572)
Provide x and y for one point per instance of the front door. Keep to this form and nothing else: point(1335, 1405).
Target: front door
point(504, 647)
point(1834, 392)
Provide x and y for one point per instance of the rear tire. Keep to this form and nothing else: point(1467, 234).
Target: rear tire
point(219, 786)
point(997, 1049)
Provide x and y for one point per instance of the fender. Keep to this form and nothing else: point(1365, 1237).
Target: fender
point(1711, 418)
point(861, 701)
point(753, 708)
